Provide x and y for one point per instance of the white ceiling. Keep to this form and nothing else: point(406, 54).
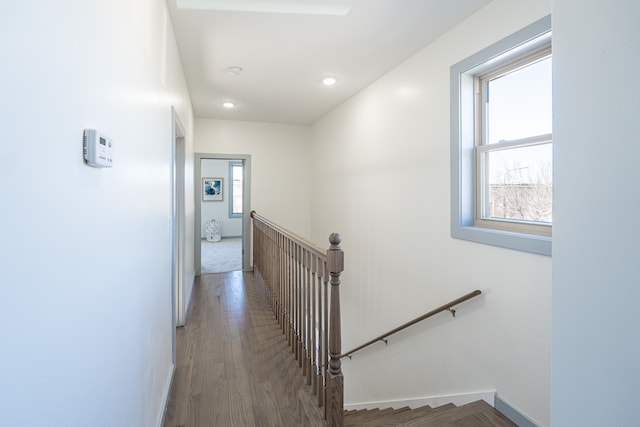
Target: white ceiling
point(286, 47)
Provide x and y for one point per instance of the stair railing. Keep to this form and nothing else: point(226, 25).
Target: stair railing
point(448, 306)
point(297, 276)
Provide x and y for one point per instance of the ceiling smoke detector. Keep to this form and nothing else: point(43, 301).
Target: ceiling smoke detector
point(234, 70)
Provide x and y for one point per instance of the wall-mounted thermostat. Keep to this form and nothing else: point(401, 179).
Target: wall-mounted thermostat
point(97, 149)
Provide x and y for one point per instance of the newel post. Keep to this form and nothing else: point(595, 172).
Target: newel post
point(335, 264)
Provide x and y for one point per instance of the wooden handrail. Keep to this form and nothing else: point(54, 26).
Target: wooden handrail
point(292, 236)
point(414, 321)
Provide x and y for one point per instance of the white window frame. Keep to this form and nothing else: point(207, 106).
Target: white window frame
point(232, 164)
point(483, 147)
point(464, 166)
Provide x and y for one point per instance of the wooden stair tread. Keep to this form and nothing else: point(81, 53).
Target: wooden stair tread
point(393, 418)
point(362, 416)
point(470, 415)
point(358, 418)
point(352, 419)
point(475, 414)
point(478, 414)
point(419, 416)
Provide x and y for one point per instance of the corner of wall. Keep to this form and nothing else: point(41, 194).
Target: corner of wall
point(513, 413)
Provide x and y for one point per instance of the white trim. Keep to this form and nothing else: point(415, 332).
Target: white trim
point(432, 401)
point(513, 413)
point(246, 206)
point(165, 395)
point(232, 164)
point(178, 222)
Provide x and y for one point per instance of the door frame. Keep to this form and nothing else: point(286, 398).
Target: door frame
point(246, 205)
point(178, 223)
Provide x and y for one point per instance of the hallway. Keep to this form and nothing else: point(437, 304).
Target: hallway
point(233, 365)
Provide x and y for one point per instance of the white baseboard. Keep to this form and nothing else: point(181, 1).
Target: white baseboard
point(165, 395)
point(513, 413)
point(433, 401)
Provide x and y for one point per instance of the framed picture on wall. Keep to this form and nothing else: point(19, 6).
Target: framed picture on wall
point(211, 189)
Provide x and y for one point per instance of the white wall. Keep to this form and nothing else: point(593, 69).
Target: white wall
point(596, 268)
point(231, 227)
point(381, 177)
point(280, 164)
point(86, 253)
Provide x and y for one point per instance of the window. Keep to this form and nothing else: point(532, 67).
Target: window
point(236, 172)
point(513, 145)
point(501, 148)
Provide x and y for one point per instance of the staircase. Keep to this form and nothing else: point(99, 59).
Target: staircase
point(476, 414)
point(301, 282)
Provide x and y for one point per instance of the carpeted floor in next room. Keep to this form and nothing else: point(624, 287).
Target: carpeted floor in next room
point(222, 256)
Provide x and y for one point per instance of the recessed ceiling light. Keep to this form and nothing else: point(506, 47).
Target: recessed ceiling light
point(329, 81)
point(234, 70)
point(228, 104)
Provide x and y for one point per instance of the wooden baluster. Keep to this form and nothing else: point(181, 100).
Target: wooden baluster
point(276, 276)
point(313, 320)
point(267, 253)
point(260, 257)
point(299, 276)
point(298, 304)
point(290, 293)
point(281, 274)
point(307, 314)
point(256, 248)
point(285, 283)
point(335, 261)
point(272, 259)
point(325, 339)
point(321, 335)
point(303, 320)
point(278, 295)
point(303, 325)
point(283, 295)
point(256, 245)
point(277, 268)
point(276, 273)
point(294, 300)
point(309, 319)
point(290, 298)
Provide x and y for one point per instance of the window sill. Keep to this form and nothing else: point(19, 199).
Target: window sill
point(523, 242)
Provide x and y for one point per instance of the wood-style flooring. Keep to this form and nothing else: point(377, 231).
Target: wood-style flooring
point(233, 366)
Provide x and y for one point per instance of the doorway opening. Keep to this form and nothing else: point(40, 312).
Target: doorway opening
point(223, 189)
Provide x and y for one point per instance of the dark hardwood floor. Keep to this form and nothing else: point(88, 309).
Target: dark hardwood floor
point(234, 368)
point(233, 365)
